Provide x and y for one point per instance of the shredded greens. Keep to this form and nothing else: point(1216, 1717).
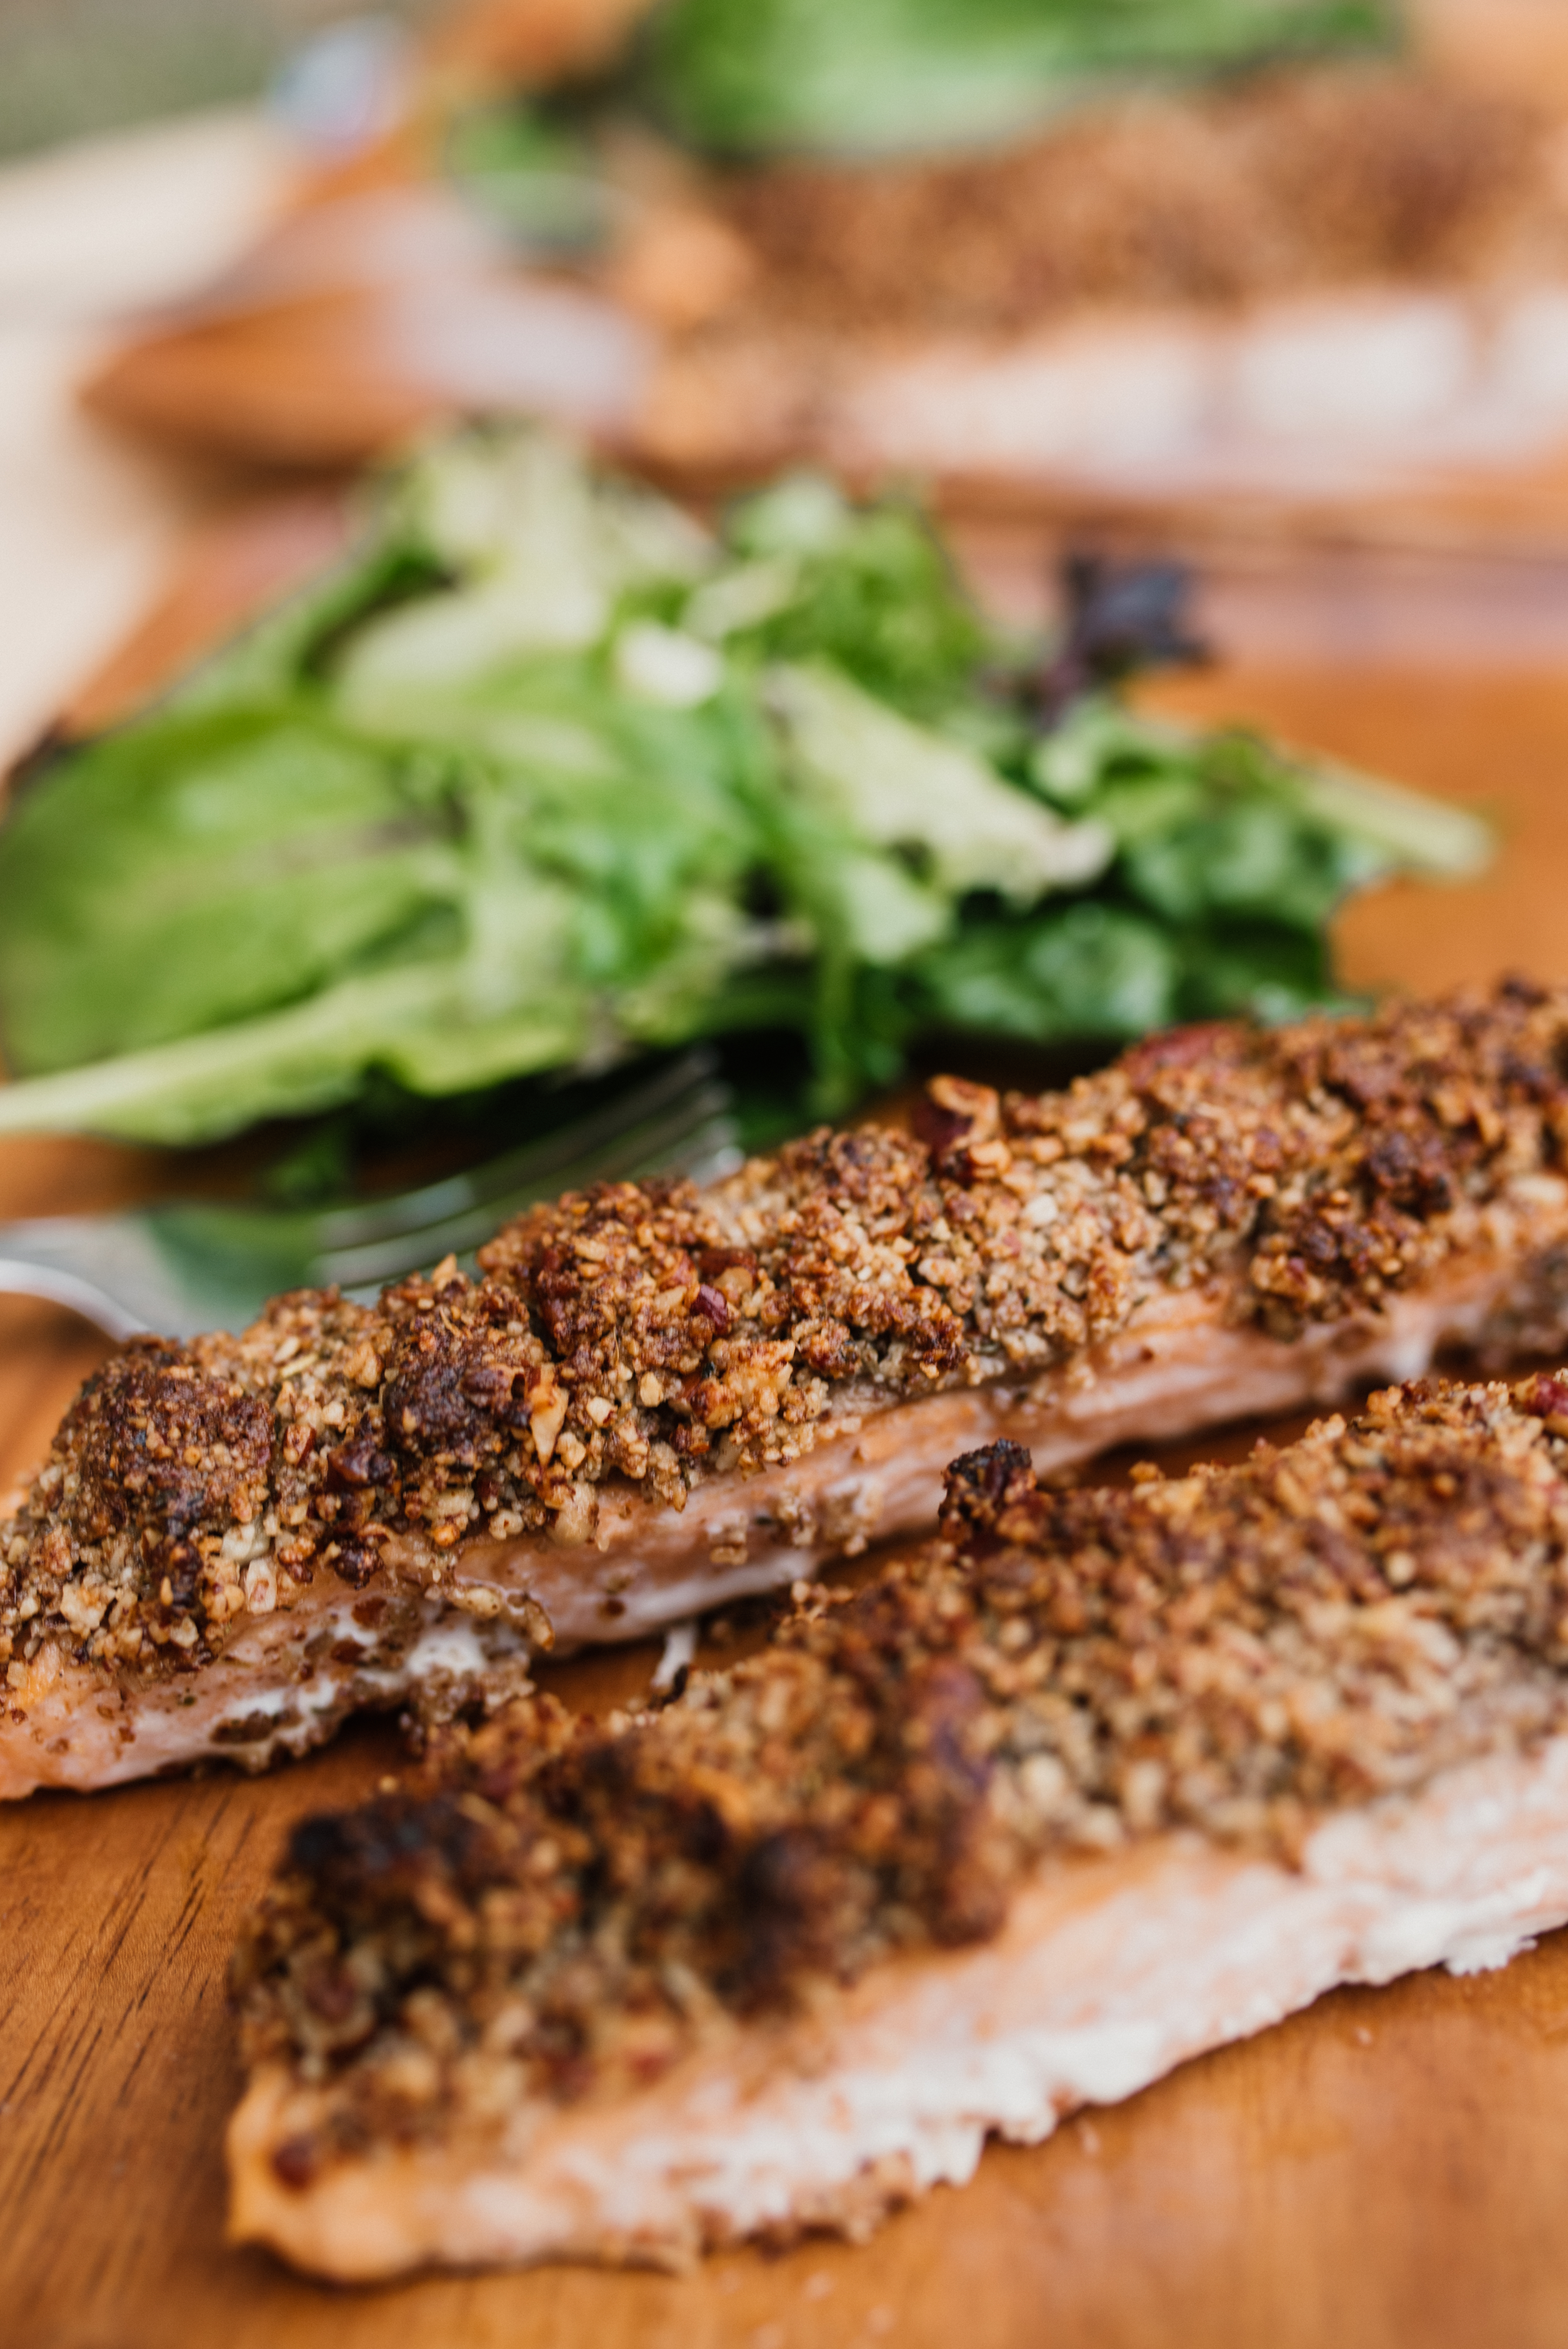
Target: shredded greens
point(543, 777)
point(747, 76)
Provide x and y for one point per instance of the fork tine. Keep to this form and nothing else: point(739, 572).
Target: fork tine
point(547, 1162)
point(661, 1144)
point(197, 1266)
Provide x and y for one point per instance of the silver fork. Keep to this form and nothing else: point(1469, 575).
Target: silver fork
point(184, 1267)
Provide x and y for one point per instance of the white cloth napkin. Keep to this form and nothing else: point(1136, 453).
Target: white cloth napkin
point(91, 235)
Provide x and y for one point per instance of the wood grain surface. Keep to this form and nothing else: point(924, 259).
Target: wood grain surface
point(1389, 2169)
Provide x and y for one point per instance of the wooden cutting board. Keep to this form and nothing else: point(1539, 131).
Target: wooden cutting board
point(1389, 2169)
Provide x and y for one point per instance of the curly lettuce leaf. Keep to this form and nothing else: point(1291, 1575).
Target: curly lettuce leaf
point(903, 787)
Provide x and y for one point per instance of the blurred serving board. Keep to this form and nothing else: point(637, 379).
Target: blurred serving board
point(1387, 2169)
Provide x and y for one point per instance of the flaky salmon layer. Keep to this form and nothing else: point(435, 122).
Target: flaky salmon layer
point(654, 1400)
point(1106, 1779)
point(1109, 1973)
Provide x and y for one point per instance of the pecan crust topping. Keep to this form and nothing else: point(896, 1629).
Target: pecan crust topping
point(638, 1338)
point(564, 1909)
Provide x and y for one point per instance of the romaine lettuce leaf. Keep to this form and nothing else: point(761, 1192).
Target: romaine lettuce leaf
point(202, 868)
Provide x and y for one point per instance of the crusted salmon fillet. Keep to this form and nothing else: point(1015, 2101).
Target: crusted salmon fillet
point(1107, 1779)
point(652, 1400)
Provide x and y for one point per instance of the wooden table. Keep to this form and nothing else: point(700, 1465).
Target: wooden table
point(1389, 2169)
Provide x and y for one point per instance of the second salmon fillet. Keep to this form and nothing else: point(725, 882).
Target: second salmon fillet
point(1115, 1777)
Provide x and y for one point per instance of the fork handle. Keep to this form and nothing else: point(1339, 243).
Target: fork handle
point(109, 1268)
point(20, 1278)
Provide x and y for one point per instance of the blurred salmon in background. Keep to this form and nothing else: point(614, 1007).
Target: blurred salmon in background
point(1269, 253)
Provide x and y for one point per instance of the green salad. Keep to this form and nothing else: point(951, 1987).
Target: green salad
point(747, 76)
point(543, 777)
